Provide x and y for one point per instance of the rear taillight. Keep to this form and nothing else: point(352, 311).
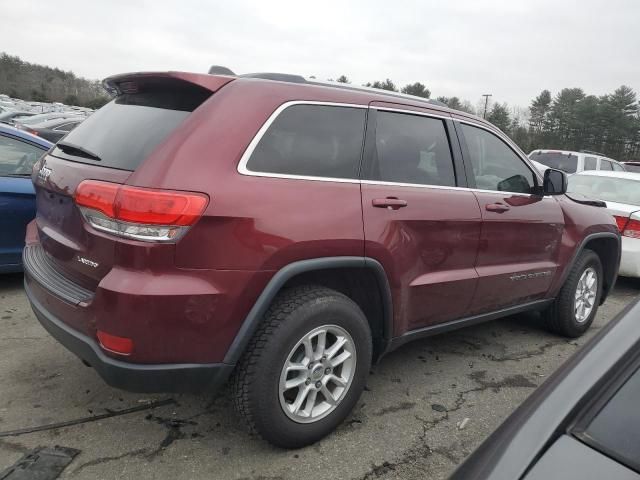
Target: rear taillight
point(140, 213)
point(621, 221)
point(632, 229)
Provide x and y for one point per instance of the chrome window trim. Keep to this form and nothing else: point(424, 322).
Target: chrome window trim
point(243, 170)
point(242, 165)
point(519, 153)
point(412, 112)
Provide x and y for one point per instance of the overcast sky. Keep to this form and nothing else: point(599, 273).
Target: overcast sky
point(512, 49)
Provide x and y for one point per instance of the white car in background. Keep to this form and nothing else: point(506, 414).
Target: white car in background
point(573, 162)
point(621, 192)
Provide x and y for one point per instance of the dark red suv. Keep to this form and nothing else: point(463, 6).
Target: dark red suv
point(288, 233)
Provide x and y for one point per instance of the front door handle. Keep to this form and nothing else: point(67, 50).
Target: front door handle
point(391, 203)
point(496, 207)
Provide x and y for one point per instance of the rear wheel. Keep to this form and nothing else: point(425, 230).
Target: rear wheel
point(305, 367)
point(577, 303)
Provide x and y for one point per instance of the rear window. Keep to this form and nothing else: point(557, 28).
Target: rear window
point(566, 162)
point(126, 130)
point(312, 140)
point(608, 189)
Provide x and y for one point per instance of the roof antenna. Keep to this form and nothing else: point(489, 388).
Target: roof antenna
point(220, 70)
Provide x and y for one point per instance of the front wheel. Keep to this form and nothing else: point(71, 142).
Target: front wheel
point(574, 309)
point(305, 367)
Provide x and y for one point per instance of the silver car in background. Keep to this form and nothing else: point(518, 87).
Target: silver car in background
point(621, 192)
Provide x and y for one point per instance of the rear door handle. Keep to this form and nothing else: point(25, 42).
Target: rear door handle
point(496, 207)
point(392, 203)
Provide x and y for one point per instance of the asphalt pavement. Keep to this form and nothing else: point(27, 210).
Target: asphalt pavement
point(426, 407)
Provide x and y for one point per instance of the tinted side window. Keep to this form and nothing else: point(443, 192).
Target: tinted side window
point(411, 149)
point(312, 140)
point(17, 157)
point(605, 165)
point(495, 165)
point(617, 167)
point(590, 163)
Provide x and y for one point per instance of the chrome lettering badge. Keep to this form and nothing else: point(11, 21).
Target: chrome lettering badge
point(86, 261)
point(44, 173)
point(530, 276)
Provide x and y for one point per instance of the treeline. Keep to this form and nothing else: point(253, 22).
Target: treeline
point(38, 83)
point(570, 120)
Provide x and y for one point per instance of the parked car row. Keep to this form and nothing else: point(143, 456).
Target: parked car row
point(51, 123)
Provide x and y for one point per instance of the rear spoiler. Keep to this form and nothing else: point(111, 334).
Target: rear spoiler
point(119, 84)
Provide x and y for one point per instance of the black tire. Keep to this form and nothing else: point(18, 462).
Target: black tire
point(294, 313)
point(560, 317)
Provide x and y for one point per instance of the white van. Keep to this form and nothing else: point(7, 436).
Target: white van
point(573, 162)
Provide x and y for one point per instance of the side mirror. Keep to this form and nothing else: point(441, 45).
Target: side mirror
point(555, 182)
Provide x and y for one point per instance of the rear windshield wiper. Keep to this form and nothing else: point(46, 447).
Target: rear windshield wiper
point(77, 151)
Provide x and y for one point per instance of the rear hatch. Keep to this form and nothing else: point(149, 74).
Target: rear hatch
point(108, 147)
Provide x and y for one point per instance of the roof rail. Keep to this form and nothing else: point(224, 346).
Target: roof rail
point(280, 77)
point(593, 153)
point(293, 78)
point(379, 91)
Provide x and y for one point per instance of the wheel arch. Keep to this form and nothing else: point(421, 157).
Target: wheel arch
point(352, 276)
point(607, 246)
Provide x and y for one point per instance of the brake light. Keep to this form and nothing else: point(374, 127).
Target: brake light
point(632, 229)
point(115, 344)
point(140, 213)
point(621, 221)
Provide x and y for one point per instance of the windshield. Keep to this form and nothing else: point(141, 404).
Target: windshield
point(608, 189)
point(567, 162)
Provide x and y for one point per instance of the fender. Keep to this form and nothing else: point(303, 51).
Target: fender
point(260, 307)
point(612, 276)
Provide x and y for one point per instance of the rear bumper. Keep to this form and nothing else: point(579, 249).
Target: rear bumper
point(182, 377)
point(630, 260)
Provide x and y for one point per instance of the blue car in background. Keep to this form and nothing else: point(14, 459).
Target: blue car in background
point(19, 151)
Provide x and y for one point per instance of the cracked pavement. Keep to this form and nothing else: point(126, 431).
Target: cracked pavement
point(405, 425)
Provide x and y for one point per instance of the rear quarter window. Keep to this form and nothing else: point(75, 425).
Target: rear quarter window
point(312, 140)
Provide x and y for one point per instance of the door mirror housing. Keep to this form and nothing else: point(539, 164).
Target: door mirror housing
point(555, 182)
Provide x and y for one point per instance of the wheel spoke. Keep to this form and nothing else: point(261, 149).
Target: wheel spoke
point(311, 402)
point(308, 349)
point(339, 359)
point(341, 382)
point(296, 367)
point(335, 348)
point(302, 395)
point(328, 395)
point(322, 342)
point(294, 382)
